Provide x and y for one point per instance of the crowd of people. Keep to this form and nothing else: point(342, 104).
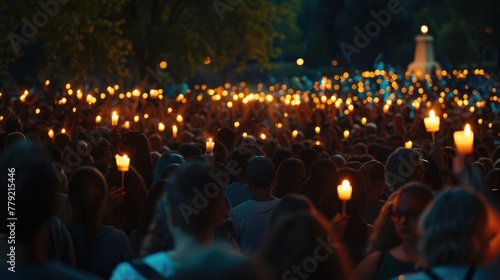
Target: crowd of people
point(264, 203)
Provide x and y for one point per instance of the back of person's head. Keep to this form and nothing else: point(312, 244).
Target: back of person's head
point(155, 142)
point(453, 228)
point(13, 138)
point(487, 162)
point(87, 190)
point(261, 172)
point(281, 155)
point(322, 174)
point(13, 124)
point(99, 148)
point(227, 136)
point(492, 180)
point(421, 192)
point(137, 141)
point(61, 140)
point(403, 166)
point(374, 172)
point(308, 157)
point(27, 171)
point(165, 160)
point(189, 150)
point(290, 177)
point(240, 157)
point(339, 160)
point(291, 203)
point(359, 149)
point(294, 241)
point(195, 199)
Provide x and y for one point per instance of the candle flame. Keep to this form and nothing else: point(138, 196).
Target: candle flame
point(432, 114)
point(346, 184)
point(467, 130)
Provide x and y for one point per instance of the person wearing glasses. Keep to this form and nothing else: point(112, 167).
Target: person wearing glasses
point(396, 253)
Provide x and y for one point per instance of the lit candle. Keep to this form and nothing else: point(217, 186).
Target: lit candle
point(114, 118)
point(344, 192)
point(127, 125)
point(98, 119)
point(295, 133)
point(416, 105)
point(161, 127)
point(51, 134)
point(408, 145)
point(63, 130)
point(317, 129)
point(346, 134)
point(210, 146)
point(363, 121)
point(386, 108)
point(179, 118)
point(318, 143)
point(464, 140)
point(136, 119)
point(432, 122)
point(79, 94)
point(153, 93)
point(174, 131)
point(244, 134)
point(122, 162)
point(47, 83)
point(236, 124)
point(263, 136)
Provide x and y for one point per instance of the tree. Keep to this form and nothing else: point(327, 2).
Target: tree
point(83, 36)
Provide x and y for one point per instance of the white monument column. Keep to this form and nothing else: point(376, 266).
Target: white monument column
point(423, 62)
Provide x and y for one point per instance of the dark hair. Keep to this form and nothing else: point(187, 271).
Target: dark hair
point(281, 155)
point(141, 160)
point(35, 188)
point(492, 180)
point(450, 228)
point(290, 177)
point(87, 190)
point(191, 183)
point(308, 157)
point(403, 166)
point(294, 239)
point(322, 174)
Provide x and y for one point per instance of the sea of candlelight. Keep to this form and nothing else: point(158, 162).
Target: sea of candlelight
point(468, 91)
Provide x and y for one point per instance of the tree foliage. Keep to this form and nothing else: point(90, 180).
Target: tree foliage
point(114, 34)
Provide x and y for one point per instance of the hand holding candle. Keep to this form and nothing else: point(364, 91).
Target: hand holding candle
point(210, 146)
point(464, 141)
point(344, 192)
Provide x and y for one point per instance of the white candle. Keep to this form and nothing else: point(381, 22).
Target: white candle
point(363, 121)
point(127, 125)
point(161, 127)
point(122, 162)
point(153, 93)
point(114, 118)
point(174, 131)
point(295, 133)
point(51, 134)
point(98, 119)
point(464, 141)
point(317, 130)
point(210, 146)
point(345, 190)
point(432, 122)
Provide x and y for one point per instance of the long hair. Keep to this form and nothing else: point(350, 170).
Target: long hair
point(290, 177)
point(450, 229)
point(141, 160)
point(87, 191)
